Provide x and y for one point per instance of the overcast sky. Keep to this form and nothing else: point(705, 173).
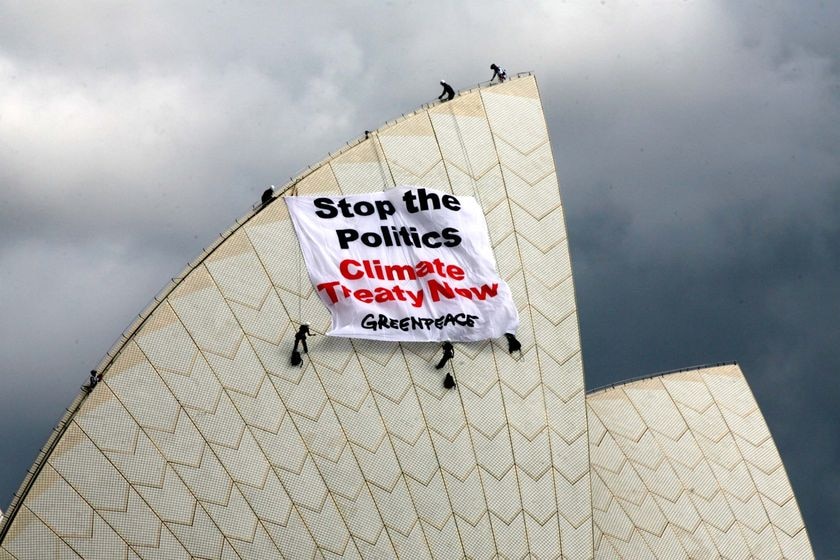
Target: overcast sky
point(696, 144)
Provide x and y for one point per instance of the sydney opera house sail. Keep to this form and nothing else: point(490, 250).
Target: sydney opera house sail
point(683, 466)
point(202, 440)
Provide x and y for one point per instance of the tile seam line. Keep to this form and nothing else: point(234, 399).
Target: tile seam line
point(54, 532)
point(141, 428)
point(577, 320)
point(330, 402)
point(534, 332)
point(380, 157)
point(389, 436)
point(616, 498)
point(127, 498)
point(460, 396)
point(329, 399)
point(659, 374)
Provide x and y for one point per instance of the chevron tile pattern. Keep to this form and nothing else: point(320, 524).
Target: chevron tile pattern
point(683, 466)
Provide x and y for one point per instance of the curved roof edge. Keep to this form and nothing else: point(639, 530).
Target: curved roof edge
point(137, 323)
point(618, 384)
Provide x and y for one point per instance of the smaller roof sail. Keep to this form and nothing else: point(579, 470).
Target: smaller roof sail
point(684, 466)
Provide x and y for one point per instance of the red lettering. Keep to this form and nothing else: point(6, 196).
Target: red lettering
point(345, 269)
point(437, 288)
point(443, 289)
point(329, 287)
point(355, 270)
point(485, 291)
point(455, 272)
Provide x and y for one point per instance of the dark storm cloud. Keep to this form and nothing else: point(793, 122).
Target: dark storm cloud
point(695, 142)
point(703, 216)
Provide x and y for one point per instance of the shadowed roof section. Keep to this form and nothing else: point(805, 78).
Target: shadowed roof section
point(683, 466)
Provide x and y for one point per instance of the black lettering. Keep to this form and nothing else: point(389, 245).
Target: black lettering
point(413, 323)
point(384, 208)
point(428, 237)
point(346, 211)
point(369, 321)
point(451, 203)
point(327, 210)
point(408, 199)
point(363, 208)
point(451, 236)
point(371, 239)
point(425, 197)
point(346, 236)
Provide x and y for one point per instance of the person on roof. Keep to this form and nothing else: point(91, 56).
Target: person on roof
point(94, 379)
point(267, 195)
point(448, 354)
point(500, 73)
point(449, 381)
point(448, 92)
point(513, 344)
point(300, 339)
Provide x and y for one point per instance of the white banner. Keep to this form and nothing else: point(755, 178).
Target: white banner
point(409, 263)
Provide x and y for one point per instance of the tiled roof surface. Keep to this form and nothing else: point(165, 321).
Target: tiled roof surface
point(203, 441)
point(683, 466)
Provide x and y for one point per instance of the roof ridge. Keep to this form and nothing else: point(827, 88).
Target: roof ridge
point(657, 374)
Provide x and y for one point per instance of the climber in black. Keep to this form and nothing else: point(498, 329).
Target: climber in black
point(449, 381)
point(498, 73)
point(267, 195)
point(448, 92)
point(94, 379)
point(513, 344)
point(448, 354)
point(300, 338)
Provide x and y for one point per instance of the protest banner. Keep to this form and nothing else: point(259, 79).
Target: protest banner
point(410, 263)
